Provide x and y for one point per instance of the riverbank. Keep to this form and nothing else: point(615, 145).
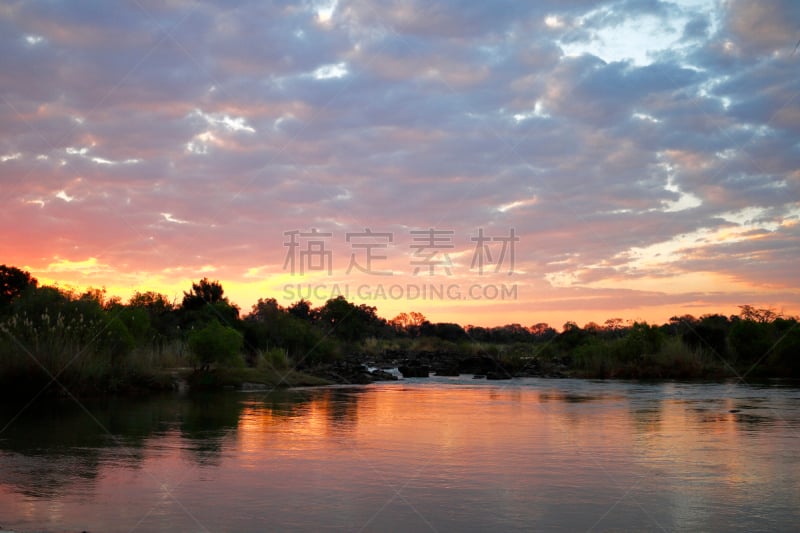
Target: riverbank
point(161, 380)
point(673, 360)
point(247, 379)
point(59, 342)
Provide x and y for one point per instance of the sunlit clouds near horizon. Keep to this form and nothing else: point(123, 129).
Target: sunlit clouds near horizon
point(634, 159)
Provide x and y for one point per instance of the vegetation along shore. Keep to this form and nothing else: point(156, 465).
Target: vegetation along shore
point(63, 343)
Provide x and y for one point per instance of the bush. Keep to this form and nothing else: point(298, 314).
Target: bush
point(51, 334)
point(751, 341)
point(216, 344)
point(274, 358)
point(785, 355)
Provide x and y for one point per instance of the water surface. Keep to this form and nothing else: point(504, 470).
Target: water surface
point(445, 454)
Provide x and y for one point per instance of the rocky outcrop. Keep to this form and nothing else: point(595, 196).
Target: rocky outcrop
point(419, 364)
point(350, 371)
point(382, 375)
point(414, 369)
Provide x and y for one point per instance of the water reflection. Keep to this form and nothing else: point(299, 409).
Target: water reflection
point(527, 454)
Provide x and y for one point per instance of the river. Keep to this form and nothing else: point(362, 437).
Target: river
point(437, 454)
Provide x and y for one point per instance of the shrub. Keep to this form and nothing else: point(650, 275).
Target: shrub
point(216, 344)
point(274, 358)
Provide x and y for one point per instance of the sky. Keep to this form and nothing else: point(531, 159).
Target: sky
point(483, 163)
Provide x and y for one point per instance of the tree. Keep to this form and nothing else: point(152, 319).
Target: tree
point(642, 339)
point(444, 330)
point(764, 316)
point(542, 331)
point(95, 295)
point(205, 302)
point(269, 326)
point(614, 327)
point(163, 318)
point(13, 282)
point(571, 336)
point(348, 321)
point(266, 309)
point(409, 323)
point(593, 328)
point(203, 292)
point(302, 310)
point(751, 340)
point(709, 334)
point(155, 303)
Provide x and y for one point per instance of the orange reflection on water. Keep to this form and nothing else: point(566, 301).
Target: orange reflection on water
point(540, 452)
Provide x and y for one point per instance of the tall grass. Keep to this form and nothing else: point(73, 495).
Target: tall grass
point(672, 359)
point(80, 353)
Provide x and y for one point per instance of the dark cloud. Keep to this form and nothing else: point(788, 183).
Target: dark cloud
point(697, 28)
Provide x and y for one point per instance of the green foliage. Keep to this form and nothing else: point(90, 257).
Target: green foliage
point(269, 326)
point(163, 319)
point(595, 360)
point(52, 334)
point(95, 343)
point(571, 337)
point(672, 359)
point(677, 360)
point(710, 334)
point(116, 338)
point(641, 340)
point(219, 311)
point(216, 344)
point(206, 303)
point(750, 340)
point(275, 358)
point(136, 321)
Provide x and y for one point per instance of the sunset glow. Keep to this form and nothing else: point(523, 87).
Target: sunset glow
point(481, 163)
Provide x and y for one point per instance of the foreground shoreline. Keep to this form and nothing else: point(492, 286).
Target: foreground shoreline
point(385, 365)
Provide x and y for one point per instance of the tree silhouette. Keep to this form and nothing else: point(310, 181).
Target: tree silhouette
point(203, 292)
point(205, 302)
point(13, 282)
point(302, 309)
point(409, 323)
point(350, 322)
point(154, 302)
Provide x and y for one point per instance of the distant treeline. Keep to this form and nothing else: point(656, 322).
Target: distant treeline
point(95, 343)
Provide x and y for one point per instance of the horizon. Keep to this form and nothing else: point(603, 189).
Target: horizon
point(176, 301)
point(538, 163)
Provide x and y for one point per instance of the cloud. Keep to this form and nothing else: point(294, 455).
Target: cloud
point(84, 267)
point(166, 141)
point(762, 28)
